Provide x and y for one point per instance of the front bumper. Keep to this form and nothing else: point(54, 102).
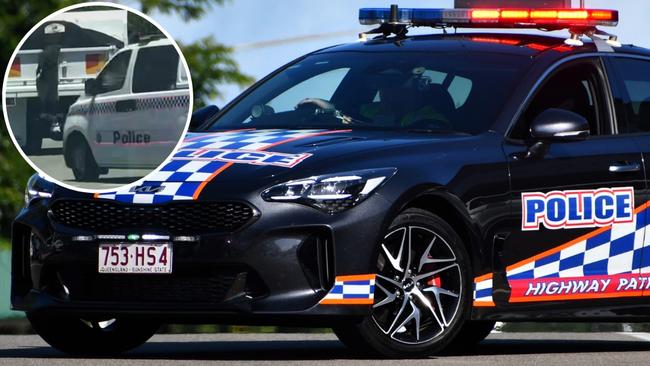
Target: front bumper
point(276, 269)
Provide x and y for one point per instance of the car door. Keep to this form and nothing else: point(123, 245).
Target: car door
point(578, 232)
point(161, 97)
point(110, 108)
point(630, 77)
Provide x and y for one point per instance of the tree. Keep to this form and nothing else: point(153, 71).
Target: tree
point(211, 64)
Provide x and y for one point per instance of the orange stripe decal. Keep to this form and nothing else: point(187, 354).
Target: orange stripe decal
point(484, 304)
point(487, 276)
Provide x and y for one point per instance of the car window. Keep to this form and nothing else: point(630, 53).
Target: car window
point(383, 90)
point(458, 87)
point(320, 86)
point(632, 94)
point(156, 69)
point(572, 88)
point(114, 73)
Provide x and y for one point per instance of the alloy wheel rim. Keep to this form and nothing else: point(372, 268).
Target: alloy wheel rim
point(419, 285)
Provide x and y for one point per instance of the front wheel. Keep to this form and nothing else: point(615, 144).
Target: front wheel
point(423, 290)
point(96, 337)
point(83, 164)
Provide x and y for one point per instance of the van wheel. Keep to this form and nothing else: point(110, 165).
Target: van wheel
point(97, 337)
point(422, 290)
point(83, 164)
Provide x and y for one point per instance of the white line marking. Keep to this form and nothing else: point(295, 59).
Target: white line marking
point(638, 335)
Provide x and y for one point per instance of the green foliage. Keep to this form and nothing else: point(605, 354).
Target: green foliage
point(14, 173)
point(211, 65)
point(561, 327)
point(187, 9)
point(4, 245)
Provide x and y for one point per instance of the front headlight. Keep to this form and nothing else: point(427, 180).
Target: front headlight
point(333, 192)
point(38, 187)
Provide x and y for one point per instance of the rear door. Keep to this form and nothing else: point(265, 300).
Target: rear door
point(631, 89)
point(579, 234)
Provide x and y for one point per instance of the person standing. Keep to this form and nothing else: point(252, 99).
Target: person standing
point(47, 78)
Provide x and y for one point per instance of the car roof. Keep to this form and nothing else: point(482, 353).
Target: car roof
point(525, 45)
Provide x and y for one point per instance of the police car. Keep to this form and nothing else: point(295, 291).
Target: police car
point(407, 191)
point(131, 115)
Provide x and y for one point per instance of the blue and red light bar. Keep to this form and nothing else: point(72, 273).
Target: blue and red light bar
point(492, 18)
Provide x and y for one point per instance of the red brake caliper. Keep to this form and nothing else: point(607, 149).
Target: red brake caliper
point(434, 282)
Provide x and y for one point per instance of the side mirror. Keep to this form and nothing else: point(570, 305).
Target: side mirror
point(559, 125)
point(91, 87)
point(555, 125)
point(202, 115)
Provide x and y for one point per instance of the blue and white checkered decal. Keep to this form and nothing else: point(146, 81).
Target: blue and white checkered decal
point(483, 291)
point(160, 102)
point(614, 250)
point(351, 290)
point(596, 265)
point(203, 156)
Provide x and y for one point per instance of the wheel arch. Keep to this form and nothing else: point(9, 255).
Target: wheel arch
point(73, 137)
point(440, 202)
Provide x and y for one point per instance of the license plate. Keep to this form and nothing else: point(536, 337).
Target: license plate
point(144, 258)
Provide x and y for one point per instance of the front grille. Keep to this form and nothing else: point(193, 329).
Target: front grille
point(176, 218)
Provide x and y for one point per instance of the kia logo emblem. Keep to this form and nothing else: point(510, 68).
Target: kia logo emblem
point(147, 189)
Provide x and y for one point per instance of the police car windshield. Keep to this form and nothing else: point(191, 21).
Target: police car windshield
point(422, 91)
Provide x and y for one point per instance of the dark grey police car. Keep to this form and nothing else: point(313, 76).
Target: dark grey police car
point(406, 191)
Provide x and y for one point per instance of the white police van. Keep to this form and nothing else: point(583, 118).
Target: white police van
point(132, 115)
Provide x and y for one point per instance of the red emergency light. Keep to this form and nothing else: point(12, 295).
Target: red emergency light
point(546, 18)
point(573, 17)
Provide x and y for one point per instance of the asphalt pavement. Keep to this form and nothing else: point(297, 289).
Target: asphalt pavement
point(50, 160)
point(502, 349)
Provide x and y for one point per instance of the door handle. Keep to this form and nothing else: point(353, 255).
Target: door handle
point(125, 105)
point(624, 168)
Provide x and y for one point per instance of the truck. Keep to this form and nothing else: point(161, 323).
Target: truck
point(88, 40)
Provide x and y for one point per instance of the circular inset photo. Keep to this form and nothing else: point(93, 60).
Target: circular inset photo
point(97, 96)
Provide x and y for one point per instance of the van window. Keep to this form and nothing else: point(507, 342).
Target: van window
point(113, 75)
point(156, 69)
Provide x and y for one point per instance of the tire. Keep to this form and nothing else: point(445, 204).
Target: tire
point(471, 334)
point(83, 164)
point(76, 336)
point(409, 291)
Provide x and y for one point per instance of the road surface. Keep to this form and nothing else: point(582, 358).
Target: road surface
point(504, 349)
point(50, 160)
